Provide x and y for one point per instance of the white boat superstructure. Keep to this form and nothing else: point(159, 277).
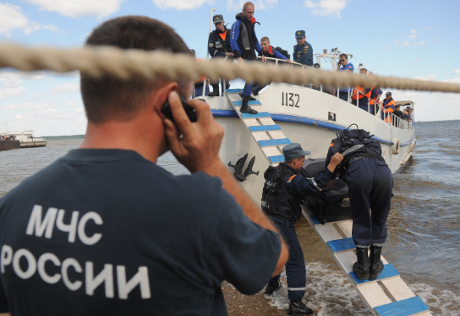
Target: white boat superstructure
point(26, 138)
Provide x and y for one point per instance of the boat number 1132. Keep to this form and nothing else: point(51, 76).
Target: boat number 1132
point(290, 99)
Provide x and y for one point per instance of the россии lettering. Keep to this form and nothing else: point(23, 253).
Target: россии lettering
point(40, 226)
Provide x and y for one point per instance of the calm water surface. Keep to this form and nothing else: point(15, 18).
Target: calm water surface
point(424, 223)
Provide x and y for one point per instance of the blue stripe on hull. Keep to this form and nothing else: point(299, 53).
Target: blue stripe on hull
point(305, 121)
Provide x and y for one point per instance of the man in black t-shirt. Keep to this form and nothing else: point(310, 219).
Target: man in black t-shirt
point(104, 230)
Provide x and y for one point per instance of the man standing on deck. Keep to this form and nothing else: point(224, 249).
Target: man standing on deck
point(219, 47)
point(105, 230)
point(388, 107)
point(344, 65)
point(303, 52)
point(282, 195)
point(244, 41)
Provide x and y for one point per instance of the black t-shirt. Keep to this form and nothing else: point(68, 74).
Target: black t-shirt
point(108, 232)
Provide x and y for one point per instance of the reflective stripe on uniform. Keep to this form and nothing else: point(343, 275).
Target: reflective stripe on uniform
point(296, 288)
point(292, 177)
point(314, 183)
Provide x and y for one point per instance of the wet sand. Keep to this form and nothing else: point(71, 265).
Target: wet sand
point(253, 305)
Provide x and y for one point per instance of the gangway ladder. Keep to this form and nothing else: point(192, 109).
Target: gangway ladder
point(388, 294)
point(263, 129)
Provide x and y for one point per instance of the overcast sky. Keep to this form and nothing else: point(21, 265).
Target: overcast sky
point(409, 39)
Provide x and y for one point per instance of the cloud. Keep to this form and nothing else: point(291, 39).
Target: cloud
point(65, 88)
point(410, 40)
point(11, 18)
point(6, 92)
point(181, 4)
point(76, 8)
point(10, 85)
point(326, 7)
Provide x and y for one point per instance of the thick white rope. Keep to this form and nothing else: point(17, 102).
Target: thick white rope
point(125, 64)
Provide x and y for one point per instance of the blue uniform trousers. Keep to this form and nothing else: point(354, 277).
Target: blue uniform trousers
point(198, 90)
point(295, 266)
point(370, 186)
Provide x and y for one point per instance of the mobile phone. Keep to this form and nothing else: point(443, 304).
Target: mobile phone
point(166, 110)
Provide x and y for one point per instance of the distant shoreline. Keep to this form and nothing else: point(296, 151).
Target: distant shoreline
point(63, 137)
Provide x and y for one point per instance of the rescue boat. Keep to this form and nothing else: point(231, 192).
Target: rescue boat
point(303, 114)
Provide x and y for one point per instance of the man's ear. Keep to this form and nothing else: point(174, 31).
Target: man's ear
point(160, 95)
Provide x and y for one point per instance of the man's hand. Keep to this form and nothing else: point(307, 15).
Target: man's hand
point(229, 55)
point(335, 161)
point(195, 145)
point(264, 59)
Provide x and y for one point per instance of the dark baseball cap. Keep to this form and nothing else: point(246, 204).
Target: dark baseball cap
point(294, 150)
point(300, 34)
point(388, 93)
point(217, 18)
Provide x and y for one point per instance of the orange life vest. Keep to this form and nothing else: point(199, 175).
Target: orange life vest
point(223, 35)
point(387, 109)
point(361, 94)
point(373, 101)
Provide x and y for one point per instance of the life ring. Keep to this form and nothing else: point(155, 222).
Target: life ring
point(395, 146)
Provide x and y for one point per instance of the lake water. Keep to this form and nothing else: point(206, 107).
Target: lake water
point(424, 223)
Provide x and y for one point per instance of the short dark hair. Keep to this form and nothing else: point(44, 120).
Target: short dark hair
point(290, 160)
point(111, 98)
point(343, 55)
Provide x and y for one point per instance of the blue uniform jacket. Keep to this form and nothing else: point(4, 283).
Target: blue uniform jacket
point(235, 35)
point(303, 54)
point(301, 186)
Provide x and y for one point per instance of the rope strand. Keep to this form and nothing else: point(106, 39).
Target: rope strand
point(98, 61)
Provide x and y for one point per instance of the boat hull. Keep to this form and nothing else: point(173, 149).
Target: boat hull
point(311, 118)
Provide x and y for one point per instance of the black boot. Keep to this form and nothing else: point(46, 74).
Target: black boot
point(376, 265)
point(297, 307)
point(215, 90)
point(361, 268)
point(245, 108)
point(272, 286)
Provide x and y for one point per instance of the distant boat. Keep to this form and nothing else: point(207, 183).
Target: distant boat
point(25, 139)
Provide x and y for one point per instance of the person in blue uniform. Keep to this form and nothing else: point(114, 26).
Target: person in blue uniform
point(105, 230)
point(344, 65)
point(244, 42)
point(283, 193)
point(370, 186)
point(303, 52)
point(219, 47)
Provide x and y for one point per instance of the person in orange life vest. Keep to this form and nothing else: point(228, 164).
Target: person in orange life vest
point(267, 51)
point(360, 95)
point(388, 107)
point(374, 98)
point(198, 85)
point(219, 47)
